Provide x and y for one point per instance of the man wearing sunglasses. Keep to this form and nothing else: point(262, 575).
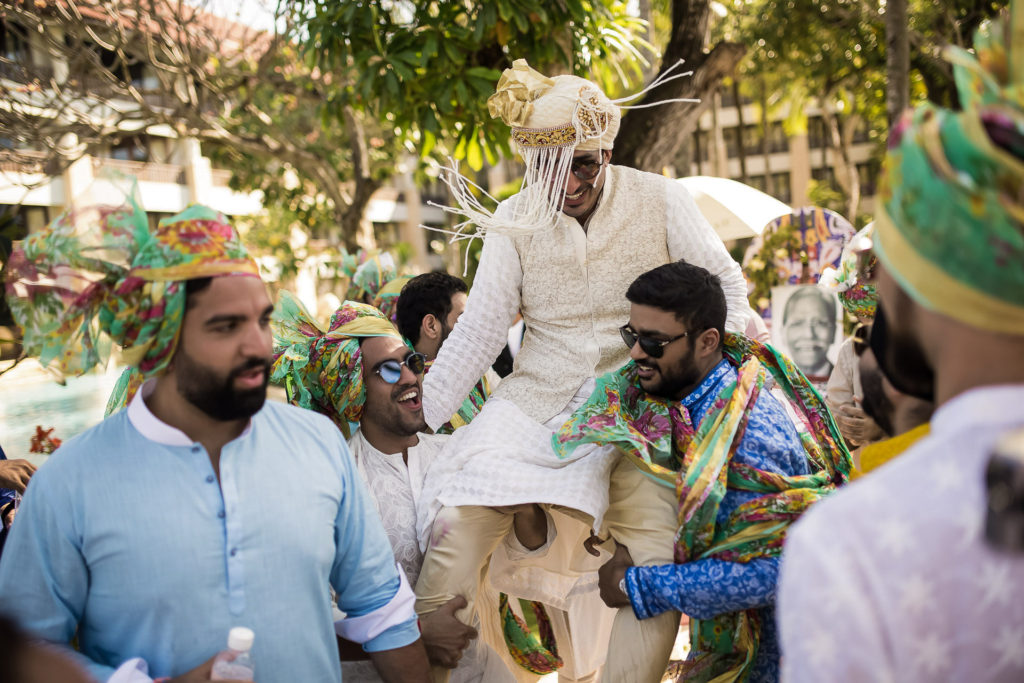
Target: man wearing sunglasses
point(360, 371)
point(562, 251)
point(684, 379)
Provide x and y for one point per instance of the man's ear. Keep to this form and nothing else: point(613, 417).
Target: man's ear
point(607, 155)
point(430, 327)
point(708, 342)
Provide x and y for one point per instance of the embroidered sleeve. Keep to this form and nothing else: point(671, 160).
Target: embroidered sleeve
point(702, 589)
point(480, 334)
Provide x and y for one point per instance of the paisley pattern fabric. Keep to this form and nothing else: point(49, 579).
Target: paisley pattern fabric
point(100, 276)
point(322, 370)
point(660, 437)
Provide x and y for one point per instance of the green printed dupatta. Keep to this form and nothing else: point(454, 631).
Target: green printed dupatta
point(657, 435)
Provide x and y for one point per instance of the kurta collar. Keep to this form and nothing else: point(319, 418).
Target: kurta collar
point(708, 384)
point(152, 427)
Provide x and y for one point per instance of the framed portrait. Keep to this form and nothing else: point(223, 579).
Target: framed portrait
point(807, 326)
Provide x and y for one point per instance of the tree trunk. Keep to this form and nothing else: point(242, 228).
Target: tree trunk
point(897, 59)
point(652, 137)
point(356, 229)
point(839, 137)
point(740, 130)
point(719, 153)
point(766, 147)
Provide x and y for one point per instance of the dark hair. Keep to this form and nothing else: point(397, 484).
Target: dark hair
point(430, 293)
point(193, 287)
point(811, 292)
point(690, 292)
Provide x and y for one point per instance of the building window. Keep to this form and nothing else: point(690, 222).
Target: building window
point(868, 176)
point(782, 187)
point(14, 43)
point(131, 148)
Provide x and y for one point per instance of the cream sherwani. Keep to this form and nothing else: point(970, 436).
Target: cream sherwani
point(570, 286)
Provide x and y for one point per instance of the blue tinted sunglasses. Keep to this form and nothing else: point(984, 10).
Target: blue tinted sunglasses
point(391, 370)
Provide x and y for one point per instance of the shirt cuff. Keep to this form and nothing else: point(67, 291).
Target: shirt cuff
point(386, 627)
point(134, 670)
point(634, 595)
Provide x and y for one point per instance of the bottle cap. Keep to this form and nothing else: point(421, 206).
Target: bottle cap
point(240, 638)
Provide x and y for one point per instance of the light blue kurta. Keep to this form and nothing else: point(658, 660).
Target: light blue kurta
point(130, 541)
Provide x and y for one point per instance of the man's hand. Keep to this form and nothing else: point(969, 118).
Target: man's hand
point(590, 544)
point(7, 513)
point(444, 636)
point(855, 425)
point(14, 474)
point(609, 576)
point(200, 673)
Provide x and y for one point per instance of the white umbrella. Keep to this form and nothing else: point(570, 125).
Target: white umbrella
point(733, 209)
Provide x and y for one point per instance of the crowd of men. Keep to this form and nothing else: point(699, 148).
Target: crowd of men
point(409, 517)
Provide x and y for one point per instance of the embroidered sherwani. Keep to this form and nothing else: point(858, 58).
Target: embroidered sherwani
point(570, 286)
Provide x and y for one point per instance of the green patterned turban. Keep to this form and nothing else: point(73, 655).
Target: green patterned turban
point(374, 271)
point(322, 370)
point(950, 227)
point(101, 275)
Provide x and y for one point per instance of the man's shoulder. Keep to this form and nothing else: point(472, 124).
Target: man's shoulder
point(294, 422)
point(97, 451)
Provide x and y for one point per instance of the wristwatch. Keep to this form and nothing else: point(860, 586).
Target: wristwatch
point(622, 586)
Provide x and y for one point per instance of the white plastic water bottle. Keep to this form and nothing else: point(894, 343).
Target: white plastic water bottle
point(235, 664)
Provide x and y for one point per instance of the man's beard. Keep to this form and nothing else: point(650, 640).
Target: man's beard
point(901, 360)
point(677, 381)
point(393, 418)
point(215, 395)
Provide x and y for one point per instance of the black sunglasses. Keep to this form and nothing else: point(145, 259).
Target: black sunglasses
point(654, 348)
point(391, 370)
point(586, 168)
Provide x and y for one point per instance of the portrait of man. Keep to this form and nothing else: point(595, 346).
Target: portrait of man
point(806, 326)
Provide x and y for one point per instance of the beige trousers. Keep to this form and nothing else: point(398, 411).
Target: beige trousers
point(464, 538)
point(641, 516)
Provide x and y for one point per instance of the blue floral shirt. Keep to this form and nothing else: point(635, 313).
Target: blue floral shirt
point(706, 588)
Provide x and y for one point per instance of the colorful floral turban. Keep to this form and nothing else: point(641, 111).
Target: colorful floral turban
point(373, 273)
point(857, 295)
point(321, 369)
point(100, 275)
point(387, 297)
point(951, 223)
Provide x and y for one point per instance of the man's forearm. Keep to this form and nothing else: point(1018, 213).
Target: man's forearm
point(704, 588)
point(406, 664)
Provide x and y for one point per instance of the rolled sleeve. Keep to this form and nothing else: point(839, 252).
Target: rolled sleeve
point(364, 573)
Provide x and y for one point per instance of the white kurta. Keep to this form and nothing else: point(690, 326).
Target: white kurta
point(396, 489)
point(891, 578)
point(504, 456)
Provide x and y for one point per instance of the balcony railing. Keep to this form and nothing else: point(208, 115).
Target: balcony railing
point(27, 161)
point(143, 170)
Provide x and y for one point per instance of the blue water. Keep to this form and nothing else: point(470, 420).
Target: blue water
point(28, 399)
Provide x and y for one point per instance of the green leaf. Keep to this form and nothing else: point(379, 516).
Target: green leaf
point(428, 144)
point(474, 155)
